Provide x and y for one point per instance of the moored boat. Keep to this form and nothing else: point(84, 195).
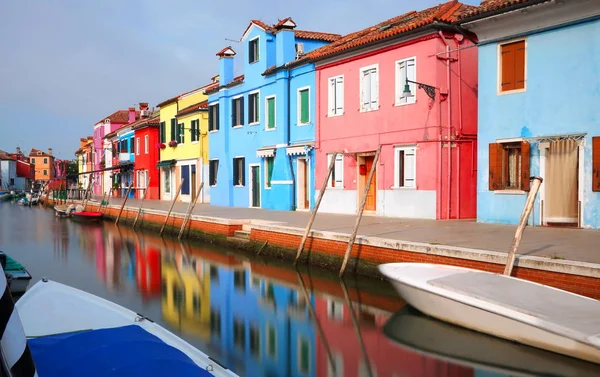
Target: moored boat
point(6, 196)
point(87, 216)
point(102, 338)
point(19, 276)
point(503, 306)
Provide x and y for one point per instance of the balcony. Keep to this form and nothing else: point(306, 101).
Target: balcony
point(126, 157)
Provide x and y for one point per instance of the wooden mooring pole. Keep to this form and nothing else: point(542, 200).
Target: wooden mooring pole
point(360, 211)
point(189, 210)
point(124, 201)
point(162, 229)
point(512, 253)
point(314, 211)
point(110, 192)
point(141, 202)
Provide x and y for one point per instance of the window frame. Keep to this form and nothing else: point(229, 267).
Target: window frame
point(499, 185)
point(371, 107)
point(267, 98)
point(214, 125)
point(330, 183)
point(256, 42)
point(257, 108)
point(137, 146)
point(499, 45)
point(195, 131)
point(299, 106)
point(397, 150)
point(400, 85)
point(330, 97)
point(146, 142)
point(162, 129)
point(243, 159)
point(210, 172)
point(233, 110)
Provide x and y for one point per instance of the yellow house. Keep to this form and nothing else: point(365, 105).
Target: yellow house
point(184, 157)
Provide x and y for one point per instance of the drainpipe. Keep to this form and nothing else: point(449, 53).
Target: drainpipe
point(449, 111)
point(289, 128)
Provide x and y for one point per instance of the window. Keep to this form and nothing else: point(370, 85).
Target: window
point(167, 181)
point(268, 171)
point(161, 132)
point(213, 117)
point(509, 166)
point(253, 47)
point(405, 169)
point(406, 69)
point(239, 333)
point(215, 322)
point(179, 136)
point(270, 110)
point(303, 355)
point(239, 280)
point(237, 112)
point(271, 341)
point(335, 310)
point(214, 274)
point(512, 66)
point(146, 142)
point(45, 160)
point(238, 171)
point(336, 95)
point(253, 112)
point(596, 163)
point(130, 140)
point(195, 130)
point(173, 128)
point(137, 146)
point(141, 178)
point(337, 174)
point(33, 161)
point(213, 169)
point(254, 340)
point(45, 172)
point(338, 361)
point(369, 88)
point(303, 106)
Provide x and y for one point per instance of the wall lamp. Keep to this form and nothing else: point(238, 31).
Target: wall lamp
point(429, 90)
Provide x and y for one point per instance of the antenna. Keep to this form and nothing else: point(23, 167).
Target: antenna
point(233, 40)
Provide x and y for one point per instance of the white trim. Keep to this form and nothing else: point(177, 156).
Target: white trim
point(252, 25)
point(258, 49)
point(397, 150)
point(146, 142)
point(251, 186)
point(331, 96)
point(236, 97)
point(510, 140)
point(267, 98)
point(265, 152)
point(258, 99)
point(399, 86)
point(499, 67)
point(361, 73)
point(137, 146)
point(213, 103)
point(298, 106)
point(281, 182)
point(185, 161)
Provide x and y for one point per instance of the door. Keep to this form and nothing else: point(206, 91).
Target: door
point(370, 205)
point(255, 186)
point(561, 207)
point(185, 175)
point(193, 181)
point(305, 185)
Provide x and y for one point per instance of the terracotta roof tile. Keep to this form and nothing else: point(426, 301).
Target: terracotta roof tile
point(193, 108)
point(167, 101)
point(492, 6)
point(119, 116)
point(152, 120)
point(216, 86)
point(317, 36)
point(282, 22)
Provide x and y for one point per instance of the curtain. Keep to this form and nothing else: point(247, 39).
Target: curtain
point(562, 182)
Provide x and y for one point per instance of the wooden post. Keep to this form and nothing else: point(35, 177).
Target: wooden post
point(189, 210)
point(110, 192)
point(101, 202)
point(356, 328)
point(162, 229)
point(314, 211)
point(142, 202)
point(360, 211)
point(512, 253)
point(124, 201)
point(262, 247)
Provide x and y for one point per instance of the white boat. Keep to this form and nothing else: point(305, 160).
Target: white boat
point(56, 315)
point(503, 306)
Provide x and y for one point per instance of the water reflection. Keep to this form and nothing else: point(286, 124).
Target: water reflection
point(257, 317)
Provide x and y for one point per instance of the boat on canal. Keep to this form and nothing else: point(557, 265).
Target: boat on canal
point(64, 210)
point(515, 309)
point(74, 333)
point(427, 336)
point(87, 216)
point(6, 196)
point(19, 276)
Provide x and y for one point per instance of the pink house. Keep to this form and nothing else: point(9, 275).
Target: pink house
point(428, 136)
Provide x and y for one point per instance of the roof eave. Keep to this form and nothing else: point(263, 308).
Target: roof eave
point(495, 12)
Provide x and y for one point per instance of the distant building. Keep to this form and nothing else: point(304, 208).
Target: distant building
point(44, 164)
point(84, 158)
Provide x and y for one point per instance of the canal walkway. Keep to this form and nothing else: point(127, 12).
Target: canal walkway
point(556, 244)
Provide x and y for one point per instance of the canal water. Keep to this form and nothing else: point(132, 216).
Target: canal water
point(260, 317)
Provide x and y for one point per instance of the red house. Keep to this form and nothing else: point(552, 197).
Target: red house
point(146, 156)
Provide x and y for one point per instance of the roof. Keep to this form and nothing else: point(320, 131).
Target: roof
point(216, 86)
point(172, 99)
point(152, 120)
point(193, 108)
point(289, 23)
point(490, 7)
point(118, 352)
point(119, 116)
point(317, 35)
point(36, 152)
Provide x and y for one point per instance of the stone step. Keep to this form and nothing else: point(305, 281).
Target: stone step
point(247, 227)
point(245, 234)
point(239, 239)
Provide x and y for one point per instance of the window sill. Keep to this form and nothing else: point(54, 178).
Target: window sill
point(515, 91)
point(270, 129)
point(215, 185)
point(238, 126)
point(194, 142)
point(398, 104)
point(403, 188)
point(213, 131)
point(299, 124)
point(362, 110)
point(510, 192)
point(334, 188)
point(335, 115)
point(238, 186)
point(267, 188)
point(254, 124)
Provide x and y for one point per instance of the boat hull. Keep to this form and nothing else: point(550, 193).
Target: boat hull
point(487, 321)
point(87, 216)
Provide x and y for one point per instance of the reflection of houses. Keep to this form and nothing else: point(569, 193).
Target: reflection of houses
point(147, 270)
point(385, 358)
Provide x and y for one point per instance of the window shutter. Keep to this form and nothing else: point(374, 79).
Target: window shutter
point(374, 88)
point(304, 106)
point(507, 59)
point(271, 113)
point(519, 52)
point(173, 122)
point(365, 94)
point(211, 118)
point(251, 52)
point(251, 102)
point(339, 169)
point(234, 110)
point(178, 133)
point(495, 166)
point(331, 96)
point(243, 170)
point(339, 95)
point(409, 167)
point(217, 116)
point(269, 170)
point(411, 73)
point(235, 171)
point(162, 132)
point(241, 113)
point(525, 170)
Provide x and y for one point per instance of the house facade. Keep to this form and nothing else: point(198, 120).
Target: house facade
point(146, 156)
point(126, 160)
point(262, 124)
point(525, 128)
point(181, 146)
point(44, 164)
point(83, 155)
point(370, 96)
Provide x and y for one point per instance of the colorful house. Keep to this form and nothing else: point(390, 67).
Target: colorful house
point(44, 164)
point(9, 179)
point(84, 159)
point(146, 155)
point(262, 124)
point(126, 156)
point(409, 86)
point(529, 52)
point(184, 144)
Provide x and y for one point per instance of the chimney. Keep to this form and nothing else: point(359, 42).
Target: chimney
point(18, 150)
point(226, 65)
point(144, 112)
point(285, 42)
point(131, 114)
point(50, 151)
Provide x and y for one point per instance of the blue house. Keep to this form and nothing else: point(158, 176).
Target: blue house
point(127, 151)
point(262, 124)
point(539, 90)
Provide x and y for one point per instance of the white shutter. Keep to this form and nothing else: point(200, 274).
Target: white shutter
point(374, 88)
point(331, 101)
point(401, 81)
point(411, 73)
point(409, 167)
point(365, 93)
point(339, 170)
point(339, 95)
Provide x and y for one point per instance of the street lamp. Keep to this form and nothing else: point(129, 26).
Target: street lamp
point(429, 90)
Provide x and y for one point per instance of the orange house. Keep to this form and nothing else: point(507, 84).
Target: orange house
point(44, 164)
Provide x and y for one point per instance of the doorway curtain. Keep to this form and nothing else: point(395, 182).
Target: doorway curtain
point(562, 182)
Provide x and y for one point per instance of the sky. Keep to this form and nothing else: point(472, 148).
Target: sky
point(66, 64)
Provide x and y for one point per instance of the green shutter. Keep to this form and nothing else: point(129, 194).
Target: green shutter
point(271, 113)
point(304, 356)
point(269, 170)
point(272, 341)
point(162, 132)
point(173, 126)
point(304, 106)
